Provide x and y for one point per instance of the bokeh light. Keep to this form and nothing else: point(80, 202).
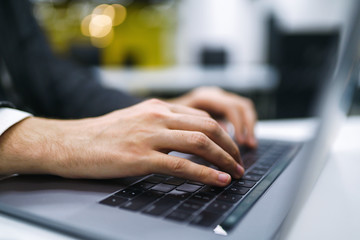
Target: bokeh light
point(120, 14)
point(85, 25)
point(104, 41)
point(99, 25)
point(99, 10)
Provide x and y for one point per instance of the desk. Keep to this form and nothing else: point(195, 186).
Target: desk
point(332, 210)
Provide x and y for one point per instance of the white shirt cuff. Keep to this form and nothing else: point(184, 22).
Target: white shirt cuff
point(9, 117)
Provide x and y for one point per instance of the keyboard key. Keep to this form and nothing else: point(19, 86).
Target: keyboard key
point(143, 185)
point(249, 161)
point(252, 177)
point(179, 215)
point(261, 150)
point(212, 190)
point(245, 183)
point(180, 195)
point(202, 197)
point(229, 197)
point(129, 193)
point(175, 181)
point(155, 179)
point(143, 200)
point(259, 168)
point(160, 207)
point(264, 165)
point(161, 176)
point(186, 187)
point(113, 201)
point(162, 187)
point(237, 190)
point(253, 155)
point(244, 150)
point(196, 183)
point(269, 159)
point(190, 206)
point(219, 207)
point(125, 182)
point(206, 219)
point(258, 171)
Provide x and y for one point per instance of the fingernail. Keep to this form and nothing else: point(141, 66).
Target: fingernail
point(240, 169)
point(223, 177)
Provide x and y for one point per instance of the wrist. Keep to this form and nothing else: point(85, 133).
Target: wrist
point(20, 148)
point(32, 146)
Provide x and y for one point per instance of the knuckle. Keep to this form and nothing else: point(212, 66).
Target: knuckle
point(236, 152)
point(203, 113)
point(214, 88)
point(177, 165)
point(154, 114)
point(198, 140)
point(202, 173)
point(155, 101)
point(160, 163)
point(228, 163)
point(208, 89)
point(212, 127)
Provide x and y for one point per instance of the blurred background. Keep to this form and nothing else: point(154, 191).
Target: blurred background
point(277, 52)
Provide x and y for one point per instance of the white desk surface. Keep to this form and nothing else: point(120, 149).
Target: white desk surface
point(184, 78)
point(332, 210)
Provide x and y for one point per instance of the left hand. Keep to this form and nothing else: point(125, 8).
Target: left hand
point(240, 111)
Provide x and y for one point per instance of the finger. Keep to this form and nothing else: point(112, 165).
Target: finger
point(175, 108)
point(183, 168)
point(235, 117)
point(210, 127)
point(249, 115)
point(199, 144)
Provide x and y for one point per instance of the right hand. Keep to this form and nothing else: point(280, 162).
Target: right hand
point(129, 142)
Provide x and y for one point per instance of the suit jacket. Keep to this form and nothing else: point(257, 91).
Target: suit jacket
point(6, 104)
point(48, 86)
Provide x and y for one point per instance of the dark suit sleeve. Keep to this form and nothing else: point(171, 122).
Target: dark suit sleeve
point(6, 104)
point(49, 86)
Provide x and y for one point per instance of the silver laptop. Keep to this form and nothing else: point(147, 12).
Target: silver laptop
point(258, 206)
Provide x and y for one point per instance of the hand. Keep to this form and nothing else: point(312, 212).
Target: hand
point(129, 142)
point(238, 110)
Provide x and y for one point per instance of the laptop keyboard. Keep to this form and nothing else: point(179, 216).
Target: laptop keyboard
point(195, 203)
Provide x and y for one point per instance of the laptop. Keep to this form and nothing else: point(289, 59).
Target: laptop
point(261, 205)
